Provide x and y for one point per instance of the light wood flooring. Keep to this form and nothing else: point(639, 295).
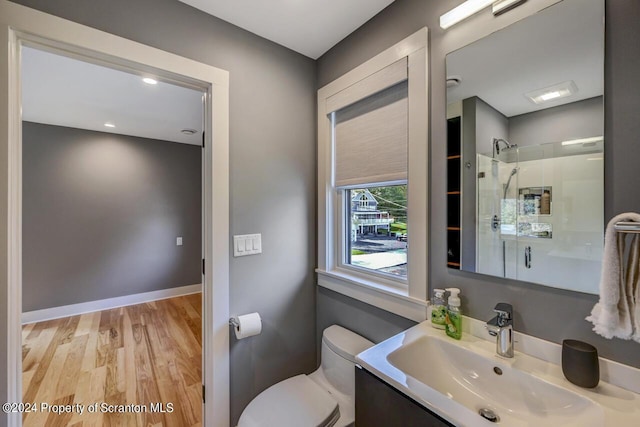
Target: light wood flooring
point(140, 354)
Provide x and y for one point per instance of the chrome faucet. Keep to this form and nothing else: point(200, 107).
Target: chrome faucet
point(501, 327)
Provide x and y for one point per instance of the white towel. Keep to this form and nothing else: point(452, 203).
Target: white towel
point(617, 314)
point(633, 285)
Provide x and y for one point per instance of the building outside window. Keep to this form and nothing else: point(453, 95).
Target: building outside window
point(377, 227)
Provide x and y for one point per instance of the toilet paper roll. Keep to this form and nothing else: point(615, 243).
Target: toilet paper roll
point(248, 325)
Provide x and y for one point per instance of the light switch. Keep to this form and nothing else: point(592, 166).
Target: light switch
point(178, 241)
point(247, 244)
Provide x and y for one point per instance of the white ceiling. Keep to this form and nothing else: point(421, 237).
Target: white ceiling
point(62, 91)
point(561, 43)
point(310, 27)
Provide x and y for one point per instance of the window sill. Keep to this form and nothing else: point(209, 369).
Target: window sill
point(379, 295)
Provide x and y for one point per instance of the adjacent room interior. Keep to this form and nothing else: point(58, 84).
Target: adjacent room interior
point(112, 242)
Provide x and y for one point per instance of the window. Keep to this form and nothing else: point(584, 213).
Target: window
point(372, 180)
point(370, 149)
point(376, 229)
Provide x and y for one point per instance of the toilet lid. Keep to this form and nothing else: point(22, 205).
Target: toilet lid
point(294, 402)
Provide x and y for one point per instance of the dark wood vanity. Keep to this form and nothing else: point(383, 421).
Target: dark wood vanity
point(380, 405)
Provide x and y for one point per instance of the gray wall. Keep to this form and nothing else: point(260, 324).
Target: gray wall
point(371, 322)
point(273, 173)
point(580, 119)
point(543, 312)
point(101, 213)
point(490, 123)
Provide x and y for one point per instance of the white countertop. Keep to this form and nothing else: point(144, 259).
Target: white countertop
point(620, 407)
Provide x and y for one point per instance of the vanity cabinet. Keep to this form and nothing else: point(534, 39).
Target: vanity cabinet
point(380, 405)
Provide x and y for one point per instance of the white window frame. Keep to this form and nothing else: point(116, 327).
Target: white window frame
point(374, 288)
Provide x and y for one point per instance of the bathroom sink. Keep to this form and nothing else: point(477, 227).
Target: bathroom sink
point(478, 382)
point(459, 380)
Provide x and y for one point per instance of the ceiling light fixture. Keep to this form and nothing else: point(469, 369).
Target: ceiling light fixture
point(470, 7)
point(189, 131)
point(462, 12)
point(150, 81)
point(591, 140)
point(551, 95)
point(109, 125)
point(557, 91)
point(502, 6)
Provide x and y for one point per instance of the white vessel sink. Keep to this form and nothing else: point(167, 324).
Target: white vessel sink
point(459, 379)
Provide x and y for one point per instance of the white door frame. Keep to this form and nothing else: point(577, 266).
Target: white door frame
point(19, 26)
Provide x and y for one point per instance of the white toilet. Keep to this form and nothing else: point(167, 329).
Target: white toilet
point(323, 398)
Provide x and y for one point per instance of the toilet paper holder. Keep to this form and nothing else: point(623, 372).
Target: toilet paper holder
point(246, 325)
point(234, 322)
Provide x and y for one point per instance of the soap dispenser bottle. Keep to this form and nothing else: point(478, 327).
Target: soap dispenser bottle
point(454, 315)
point(438, 309)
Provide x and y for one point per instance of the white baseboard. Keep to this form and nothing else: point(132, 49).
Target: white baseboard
point(106, 304)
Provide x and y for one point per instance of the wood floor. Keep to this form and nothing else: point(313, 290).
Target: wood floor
point(142, 354)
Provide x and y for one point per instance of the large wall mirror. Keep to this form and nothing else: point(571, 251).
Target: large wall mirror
point(525, 106)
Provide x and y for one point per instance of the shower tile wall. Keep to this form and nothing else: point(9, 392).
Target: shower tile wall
point(572, 254)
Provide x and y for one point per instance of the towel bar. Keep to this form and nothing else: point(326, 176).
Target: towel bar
point(627, 227)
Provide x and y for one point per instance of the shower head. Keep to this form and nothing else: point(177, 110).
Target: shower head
point(498, 141)
point(514, 171)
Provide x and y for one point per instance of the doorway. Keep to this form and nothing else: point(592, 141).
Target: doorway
point(24, 27)
point(112, 244)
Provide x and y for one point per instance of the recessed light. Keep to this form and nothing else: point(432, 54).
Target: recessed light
point(109, 125)
point(150, 81)
point(557, 91)
point(550, 95)
point(189, 131)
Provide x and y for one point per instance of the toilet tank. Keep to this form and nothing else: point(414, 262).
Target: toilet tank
point(339, 349)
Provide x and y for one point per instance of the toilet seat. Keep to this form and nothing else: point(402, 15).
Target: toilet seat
point(306, 404)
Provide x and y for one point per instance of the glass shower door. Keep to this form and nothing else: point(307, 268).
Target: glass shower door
point(497, 220)
point(560, 213)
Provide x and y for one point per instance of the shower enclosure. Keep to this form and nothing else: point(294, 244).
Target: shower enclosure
point(497, 178)
point(540, 211)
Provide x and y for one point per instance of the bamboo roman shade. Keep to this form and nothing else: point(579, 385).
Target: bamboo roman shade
point(371, 131)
